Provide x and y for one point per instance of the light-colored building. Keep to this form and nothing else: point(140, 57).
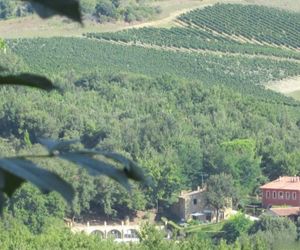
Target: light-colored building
point(192, 205)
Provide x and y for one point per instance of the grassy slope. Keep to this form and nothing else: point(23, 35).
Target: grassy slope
point(295, 95)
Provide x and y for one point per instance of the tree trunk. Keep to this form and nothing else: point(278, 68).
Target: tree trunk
point(217, 220)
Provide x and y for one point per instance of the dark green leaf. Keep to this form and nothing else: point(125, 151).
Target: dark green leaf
point(42, 178)
point(30, 80)
point(98, 167)
point(48, 8)
point(53, 145)
point(132, 170)
point(2, 68)
point(9, 182)
point(2, 200)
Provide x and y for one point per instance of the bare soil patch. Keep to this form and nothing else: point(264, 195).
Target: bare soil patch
point(285, 86)
point(291, 5)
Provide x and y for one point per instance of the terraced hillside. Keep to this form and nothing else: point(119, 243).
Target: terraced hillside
point(253, 24)
point(230, 28)
point(192, 38)
point(197, 50)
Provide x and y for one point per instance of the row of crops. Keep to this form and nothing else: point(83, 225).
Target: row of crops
point(191, 38)
point(60, 56)
point(263, 24)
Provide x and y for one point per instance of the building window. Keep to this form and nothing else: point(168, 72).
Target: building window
point(195, 201)
point(274, 194)
point(268, 194)
point(287, 195)
point(294, 195)
point(280, 195)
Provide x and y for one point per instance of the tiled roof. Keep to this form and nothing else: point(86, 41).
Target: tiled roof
point(285, 211)
point(284, 182)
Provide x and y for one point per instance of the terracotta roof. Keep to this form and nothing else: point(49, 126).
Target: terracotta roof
point(285, 211)
point(284, 182)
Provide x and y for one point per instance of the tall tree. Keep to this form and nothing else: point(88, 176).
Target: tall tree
point(220, 190)
point(239, 159)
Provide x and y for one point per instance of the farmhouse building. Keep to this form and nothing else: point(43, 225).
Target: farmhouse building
point(289, 212)
point(192, 205)
point(284, 191)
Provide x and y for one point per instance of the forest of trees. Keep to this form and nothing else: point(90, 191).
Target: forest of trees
point(175, 128)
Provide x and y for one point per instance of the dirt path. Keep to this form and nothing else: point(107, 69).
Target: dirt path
point(169, 20)
point(33, 26)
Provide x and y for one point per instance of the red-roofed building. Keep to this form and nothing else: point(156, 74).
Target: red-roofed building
point(289, 212)
point(283, 191)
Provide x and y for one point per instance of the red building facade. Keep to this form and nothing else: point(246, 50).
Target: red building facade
point(283, 191)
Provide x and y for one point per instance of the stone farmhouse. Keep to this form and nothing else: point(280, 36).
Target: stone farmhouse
point(192, 205)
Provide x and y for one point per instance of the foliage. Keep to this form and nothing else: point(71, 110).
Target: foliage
point(6, 9)
point(274, 224)
point(277, 232)
point(172, 127)
point(2, 44)
point(238, 158)
point(99, 10)
point(30, 206)
point(55, 236)
point(235, 226)
point(220, 191)
point(15, 170)
point(151, 238)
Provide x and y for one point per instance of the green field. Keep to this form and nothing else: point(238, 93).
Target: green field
point(295, 95)
point(228, 28)
point(57, 56)
point(255, 23)
point(193, 38)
